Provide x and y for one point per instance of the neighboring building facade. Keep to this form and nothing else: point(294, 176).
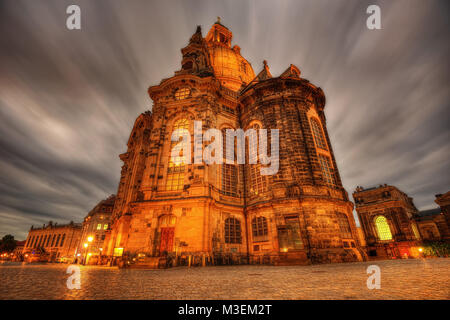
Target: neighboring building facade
point(18, 250)
point(432, 225)
point(443, 201)
point(94, 228)
point(52, 242)
point(231, 213)
point(387, 217)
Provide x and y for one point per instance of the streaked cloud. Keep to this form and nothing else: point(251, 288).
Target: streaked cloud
point(68, 99)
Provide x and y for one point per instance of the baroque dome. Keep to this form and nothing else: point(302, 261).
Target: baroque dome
point(229, 66)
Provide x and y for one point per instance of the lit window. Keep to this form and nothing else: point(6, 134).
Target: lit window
point(344, 226)
point(384, 232)
point(118, 252)
point(318, 134)
point(327, 169)
point(99, 226)
point(415, 231)
point(105, 226)
point(175, 171)
point(182, 93)
point(259, 228)
point(232, 231)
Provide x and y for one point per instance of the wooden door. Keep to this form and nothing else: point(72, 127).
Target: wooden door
point(166, 243)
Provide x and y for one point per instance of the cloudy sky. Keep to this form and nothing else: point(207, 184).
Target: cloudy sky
point(68, 99)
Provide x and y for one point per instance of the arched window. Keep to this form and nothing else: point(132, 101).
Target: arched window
point(318, 134)
point(62, 240)
point(384, 232)
point(48, 240)
point(229, 171)
point(232, 231)
point(57, 240)
point(327, 169)
point(258, 182)
point(167, 221)
point(415, 231)
point(259, 228)
point(344, 226)
point(182, 93)
point(175, 171)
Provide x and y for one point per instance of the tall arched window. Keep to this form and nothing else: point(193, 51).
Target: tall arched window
point(415, 231)
point(384, 232)
point(229, 171)
point(259, 228)
point(175, 171)
point(327, 169)
point(344, 226)
point(258, 182)
point(318, 134)
point(233, 231)
point(62, 240)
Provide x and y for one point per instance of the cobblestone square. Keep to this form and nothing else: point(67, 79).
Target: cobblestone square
point(400, 279)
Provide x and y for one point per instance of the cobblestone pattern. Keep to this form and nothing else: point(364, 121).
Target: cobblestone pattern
point(400, 279)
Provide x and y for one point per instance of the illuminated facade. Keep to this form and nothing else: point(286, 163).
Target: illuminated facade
point(52, 242)
point(388, 220)
point(93, 231)
point(230, 213)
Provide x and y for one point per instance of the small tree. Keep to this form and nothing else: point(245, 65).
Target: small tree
point(7, 243)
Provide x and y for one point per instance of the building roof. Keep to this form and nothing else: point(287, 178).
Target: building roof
point(430, 212)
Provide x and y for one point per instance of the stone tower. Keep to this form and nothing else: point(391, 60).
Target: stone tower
point(231, 213)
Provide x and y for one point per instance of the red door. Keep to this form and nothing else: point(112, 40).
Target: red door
point(166, 240)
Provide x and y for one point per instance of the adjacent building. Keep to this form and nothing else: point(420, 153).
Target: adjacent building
point(52, 242)
point(433, 225)
point(443, 200)
point(388, 221)
point(93, 231)
point(231, 213)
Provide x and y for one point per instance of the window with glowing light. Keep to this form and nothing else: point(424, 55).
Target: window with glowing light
point(233, 231)
point(318, 134)
point(175, 171)
point(415, 231)
point(182, 93)
point(99, 226)
point(383, 230)
point(105, 226)
point(327, 169)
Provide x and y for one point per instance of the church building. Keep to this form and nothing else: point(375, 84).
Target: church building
point(205, 214)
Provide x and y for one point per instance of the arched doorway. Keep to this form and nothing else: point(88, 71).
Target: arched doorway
point(167, 232)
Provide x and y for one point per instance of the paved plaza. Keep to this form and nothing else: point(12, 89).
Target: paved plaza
point(400, 279)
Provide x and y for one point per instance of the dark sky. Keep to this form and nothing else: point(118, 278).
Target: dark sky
point(68, 99)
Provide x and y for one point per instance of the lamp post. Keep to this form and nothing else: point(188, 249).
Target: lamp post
point(86, 246)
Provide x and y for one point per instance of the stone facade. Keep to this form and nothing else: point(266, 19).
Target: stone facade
point(94, 228)
point(443, 200)
point(432, 225)
point(52, 242)
point(230, 213)
point(387, 216)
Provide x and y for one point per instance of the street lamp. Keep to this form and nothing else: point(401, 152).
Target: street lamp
point(86, 245)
